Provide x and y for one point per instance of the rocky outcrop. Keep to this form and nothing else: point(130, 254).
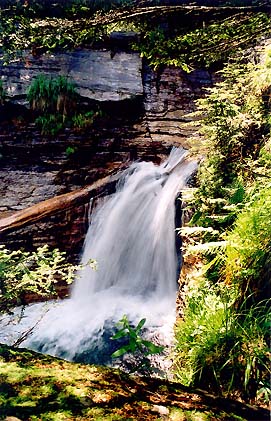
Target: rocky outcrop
point(19, 188)
point(98, 75)
point(170, 97)
point(57, 204)
point(145, 125)
point(94, 392)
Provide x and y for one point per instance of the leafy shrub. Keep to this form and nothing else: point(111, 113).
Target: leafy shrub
point(236, 131)
point(204, 46)
point(54, 99)
point(83, 120)
point(70, 150)
point(248, 256)
point(23, 272)
point(222, 341)
point(219, 349)
point(236, 175)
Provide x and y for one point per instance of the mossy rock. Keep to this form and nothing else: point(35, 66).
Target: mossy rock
point(39, 387)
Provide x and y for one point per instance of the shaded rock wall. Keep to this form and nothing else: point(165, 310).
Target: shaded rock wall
point(34, 167)
point(66, 230)
point(169, 99)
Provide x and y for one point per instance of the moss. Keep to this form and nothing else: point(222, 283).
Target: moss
point(39, 387)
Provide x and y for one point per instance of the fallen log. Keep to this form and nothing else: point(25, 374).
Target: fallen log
point(57, 204)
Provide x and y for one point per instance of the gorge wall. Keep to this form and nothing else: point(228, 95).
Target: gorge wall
point(144, 114)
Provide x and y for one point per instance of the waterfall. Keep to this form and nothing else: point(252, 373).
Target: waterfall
point(132, 238)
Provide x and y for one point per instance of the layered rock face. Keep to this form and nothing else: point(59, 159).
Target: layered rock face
point(169, 100)
point(145, 115)
point(98, 75)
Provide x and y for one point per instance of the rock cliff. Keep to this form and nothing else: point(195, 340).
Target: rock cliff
point(145, 113)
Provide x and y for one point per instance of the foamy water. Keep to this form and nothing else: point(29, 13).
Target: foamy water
point(132, 238)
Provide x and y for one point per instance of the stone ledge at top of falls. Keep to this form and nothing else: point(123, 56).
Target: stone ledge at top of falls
point(98, 74)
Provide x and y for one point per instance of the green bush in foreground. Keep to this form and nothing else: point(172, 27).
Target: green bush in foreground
point(223, 350)
point(248, 251)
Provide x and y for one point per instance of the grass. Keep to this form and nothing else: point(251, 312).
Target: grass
point(248, 250)
point(50, 95)
point(220, 349)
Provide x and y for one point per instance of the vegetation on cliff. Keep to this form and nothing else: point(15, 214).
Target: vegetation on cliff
point(222, 341)
point(55, 103)
point(205, 45)
point(210, 37)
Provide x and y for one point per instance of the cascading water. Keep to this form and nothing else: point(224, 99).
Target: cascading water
point(132, 238)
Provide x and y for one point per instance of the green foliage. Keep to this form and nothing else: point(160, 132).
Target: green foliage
point(54, 99)
point(26, 29)
point(83, 120)
point(38, 387)
point(220, 349)
point(236, 129)
point(40, 28)
point(203, 46)
point(221, 344)
point(50, 124)
point(136, 344)
point(23, 272)
point(247, 256)
point(52, 95)
point(77, 23)
point(237, 166)
point(70, 150)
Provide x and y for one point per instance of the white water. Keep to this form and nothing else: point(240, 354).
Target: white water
point(132, 237)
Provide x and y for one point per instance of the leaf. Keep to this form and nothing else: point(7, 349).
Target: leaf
point(247, 374)
point(132, 345)
point(124, 320)
point(238, 196)
point(121, 351)
point(132, 334)
point(120, 334)
point(140, 325)
point(152, 348)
